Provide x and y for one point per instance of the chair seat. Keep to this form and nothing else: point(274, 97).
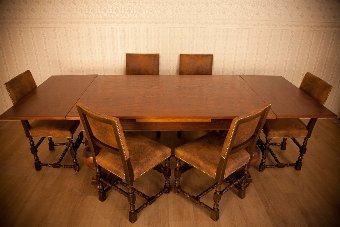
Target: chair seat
point(53, 128)
point(144, 155)
point(204, 154)
point(279, 128)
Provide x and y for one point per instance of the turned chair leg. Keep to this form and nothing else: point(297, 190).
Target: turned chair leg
point(284, 144)
point(244, 183)
point(50, 144)
point(167, 175)
point(101, 191)
point(79, 141)
point(264, 152)
point(215, 213)
point(73, 152)
point(177, 177)
point(303, 149)
point(34, 151)
point(132, 200)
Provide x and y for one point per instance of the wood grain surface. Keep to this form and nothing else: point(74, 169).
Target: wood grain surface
point(205, 97)
point(287, 100)
point(149, 100)
point(52, 100)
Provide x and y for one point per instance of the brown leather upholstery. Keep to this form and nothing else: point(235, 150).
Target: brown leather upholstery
point(195, 64)
point(53, 128)
point(102, 132)
point(144, 155)
point(280, 128)
point(142, 64)
point(125, 158)
point(245, 131)
point(315, 87)
point(205, 153)
point(20, 86)
point(225, 158)
point(113, 154)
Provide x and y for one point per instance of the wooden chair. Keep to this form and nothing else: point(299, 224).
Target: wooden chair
point(223, 158)
point(293, 128)
point(18, 88)
point(142, 64)
point(120, 159)
point(195, 64)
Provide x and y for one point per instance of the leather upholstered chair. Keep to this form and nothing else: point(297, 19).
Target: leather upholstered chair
point(19, 87)
point(195, 64)
point(293, 128)
point(142, 64)
point(120, 159)
point(224, 158)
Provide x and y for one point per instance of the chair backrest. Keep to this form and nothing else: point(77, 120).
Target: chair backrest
point(315, 87)
point(142, 64)
point(195, 64)
point(20, 86)
point(103, 131)
point(243, 134)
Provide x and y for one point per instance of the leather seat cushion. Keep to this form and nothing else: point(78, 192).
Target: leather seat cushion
point(144, 155)
point(205, 154)
point(53, 128)
point(195, 64)
point(142, 64)
point(279, 128)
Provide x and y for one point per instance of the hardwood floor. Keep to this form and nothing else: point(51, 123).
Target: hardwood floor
point(277, 197)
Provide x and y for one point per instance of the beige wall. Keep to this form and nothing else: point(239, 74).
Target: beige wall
point(272, 37)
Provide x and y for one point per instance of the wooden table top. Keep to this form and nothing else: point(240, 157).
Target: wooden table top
point(171, 98)
point(287, 100)
point(52, 100)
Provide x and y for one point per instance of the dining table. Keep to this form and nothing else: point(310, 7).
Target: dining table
point(166, 102)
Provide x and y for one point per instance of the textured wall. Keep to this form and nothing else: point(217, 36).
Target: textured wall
point(272, 37)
